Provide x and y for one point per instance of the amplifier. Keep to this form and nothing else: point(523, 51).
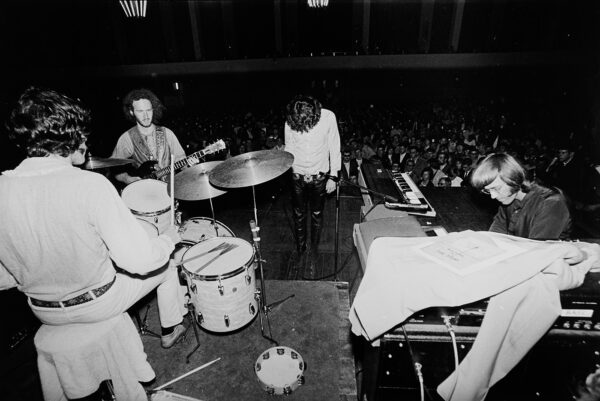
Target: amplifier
point(580, 310)
point(554, 369)
point(581, 306)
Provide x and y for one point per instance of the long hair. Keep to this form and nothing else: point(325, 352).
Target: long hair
point(303, 113)
point(504, 166)
point(138, 94)
point(46, 122)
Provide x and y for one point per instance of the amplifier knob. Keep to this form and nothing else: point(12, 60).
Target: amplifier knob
point(587, 326)
point(576, 325)
point(597, 326)
point(566, 325)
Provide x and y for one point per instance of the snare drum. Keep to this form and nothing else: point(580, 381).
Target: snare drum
point(280, 370)
point(148, 200)
point(222, 283)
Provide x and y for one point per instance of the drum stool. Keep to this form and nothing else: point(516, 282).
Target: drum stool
point(73, 360)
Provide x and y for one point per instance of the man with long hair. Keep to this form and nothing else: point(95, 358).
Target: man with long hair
point(147, 143)
point(312, 136)
point(63, 228)
point(526, 209)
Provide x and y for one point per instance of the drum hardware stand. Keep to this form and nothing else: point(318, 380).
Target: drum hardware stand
point(143, 324)
point(261, 293)
point(192, 317)
point(214, 222)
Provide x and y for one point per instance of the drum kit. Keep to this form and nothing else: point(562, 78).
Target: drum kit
point(219, 268)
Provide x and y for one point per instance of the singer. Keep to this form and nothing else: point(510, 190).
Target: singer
point(312, 136)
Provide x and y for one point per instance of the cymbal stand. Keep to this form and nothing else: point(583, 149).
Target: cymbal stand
point(262, 293)
point(212, 210)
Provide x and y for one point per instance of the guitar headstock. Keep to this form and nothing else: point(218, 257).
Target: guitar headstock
point(214, 147)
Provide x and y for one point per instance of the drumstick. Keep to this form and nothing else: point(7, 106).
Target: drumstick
point(186, 374)
point(172, 183)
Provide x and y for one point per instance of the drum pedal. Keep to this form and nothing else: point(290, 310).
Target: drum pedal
point(226, 318)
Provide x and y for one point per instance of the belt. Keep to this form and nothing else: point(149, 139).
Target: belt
point(308, 177)
point(79, 299)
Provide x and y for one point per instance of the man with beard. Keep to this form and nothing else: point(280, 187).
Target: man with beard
point(146, 141)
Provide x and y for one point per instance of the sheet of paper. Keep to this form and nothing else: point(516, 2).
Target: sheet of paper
point(465, 253)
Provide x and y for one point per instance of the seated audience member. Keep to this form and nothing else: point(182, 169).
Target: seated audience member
point(426, 178)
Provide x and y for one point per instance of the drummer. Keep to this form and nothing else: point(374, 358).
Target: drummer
point(63, 228)
point(145, 141)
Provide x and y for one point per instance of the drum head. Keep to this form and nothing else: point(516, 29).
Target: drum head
point(213, 262)
point(198, 229)
point(146, 196)
point(280, 370)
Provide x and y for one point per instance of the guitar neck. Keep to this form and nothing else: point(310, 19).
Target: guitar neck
point(177, 165)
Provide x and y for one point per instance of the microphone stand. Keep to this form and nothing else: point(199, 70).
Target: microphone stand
point(337, 181)
point(384, 197)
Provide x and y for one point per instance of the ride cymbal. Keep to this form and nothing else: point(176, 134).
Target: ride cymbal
point(95, 163)
point(192, 183)
point(251, 168)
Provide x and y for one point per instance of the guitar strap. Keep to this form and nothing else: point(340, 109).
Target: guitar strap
point(155, 149)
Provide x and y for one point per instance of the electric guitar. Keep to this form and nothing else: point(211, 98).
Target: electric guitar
point(148, 168)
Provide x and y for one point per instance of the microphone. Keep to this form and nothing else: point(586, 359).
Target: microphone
point(254, 229)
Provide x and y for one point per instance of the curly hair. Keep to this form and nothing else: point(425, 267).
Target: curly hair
point(504, 166)
point(138, 94)
point(46, 122)
point(303, 113)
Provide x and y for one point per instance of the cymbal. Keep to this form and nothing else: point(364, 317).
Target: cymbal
point(192, 183)
point(251, 168)
point(94, 163)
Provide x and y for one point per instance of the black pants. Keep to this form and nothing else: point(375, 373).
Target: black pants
point(308, 194)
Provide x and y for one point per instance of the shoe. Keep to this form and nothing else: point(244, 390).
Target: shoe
point(178, 334)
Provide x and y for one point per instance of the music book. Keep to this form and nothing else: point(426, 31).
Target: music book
point(468, 252)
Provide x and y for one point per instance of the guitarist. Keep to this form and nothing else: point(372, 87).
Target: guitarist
point(148, 144)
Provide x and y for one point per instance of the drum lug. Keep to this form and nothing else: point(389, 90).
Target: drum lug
point(248, 279)
point(221, 288)
point(252, 309)
point(270, 391)
point(301, 380)
point(257, 294)
point(226, 318)
point(193, 288)
point(200, 318)
point(156, 220)
point(287, 390)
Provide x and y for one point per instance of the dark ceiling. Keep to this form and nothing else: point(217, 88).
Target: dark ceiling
point(92, 33)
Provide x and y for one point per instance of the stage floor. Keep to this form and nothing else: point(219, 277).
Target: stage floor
point(313, 322)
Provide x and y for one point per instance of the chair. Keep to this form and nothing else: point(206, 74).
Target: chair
point(74, 359)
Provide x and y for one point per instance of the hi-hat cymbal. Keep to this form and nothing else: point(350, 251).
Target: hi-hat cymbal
point(251, 168)
point(192, 183)
point(94, 163)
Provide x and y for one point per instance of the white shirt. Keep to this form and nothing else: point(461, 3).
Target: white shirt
point(62, 228)
point(317, 150)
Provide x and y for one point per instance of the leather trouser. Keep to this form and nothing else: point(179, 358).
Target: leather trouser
point(308, 191)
